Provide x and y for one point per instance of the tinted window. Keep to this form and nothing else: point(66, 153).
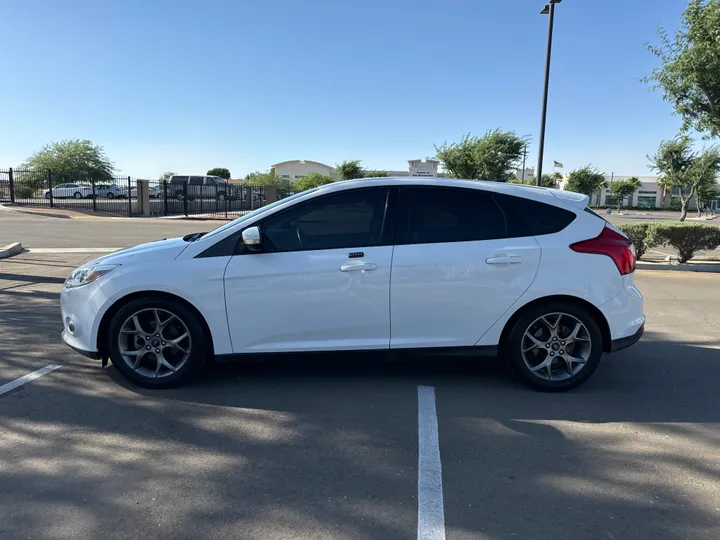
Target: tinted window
point(533, 218)
point(435, 214)
point(178, 179)
point(196, 180)
point(344, 220)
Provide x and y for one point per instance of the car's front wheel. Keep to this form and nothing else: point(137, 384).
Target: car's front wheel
point(110, 195)
point(156, 342)
point(77, 195)
point(554, 346)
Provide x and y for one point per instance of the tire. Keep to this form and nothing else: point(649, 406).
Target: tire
point(110, 195)
point(77, 195)
point(179, 195)
point(187, 357)
point(47, 195)
point(531, 342)
point(221, 196)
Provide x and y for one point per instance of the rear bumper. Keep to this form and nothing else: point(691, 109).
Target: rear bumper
point(624, 343)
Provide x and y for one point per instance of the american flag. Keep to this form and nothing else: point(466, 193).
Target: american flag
point(557, 164)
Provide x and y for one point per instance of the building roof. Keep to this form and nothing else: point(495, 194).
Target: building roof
point(303, 161)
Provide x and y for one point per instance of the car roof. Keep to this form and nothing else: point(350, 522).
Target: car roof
point(547, 195)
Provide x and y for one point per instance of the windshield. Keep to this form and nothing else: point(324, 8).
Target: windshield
point(256, 212)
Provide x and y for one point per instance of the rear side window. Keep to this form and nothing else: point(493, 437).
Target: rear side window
point(196, 180)
point(178, 179)
point(436, 215)
point(533, 218)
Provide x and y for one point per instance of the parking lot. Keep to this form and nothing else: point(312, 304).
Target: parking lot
point(329, 449)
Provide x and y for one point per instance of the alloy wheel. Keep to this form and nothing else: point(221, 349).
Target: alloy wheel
point(154, 342)
point(556, 346)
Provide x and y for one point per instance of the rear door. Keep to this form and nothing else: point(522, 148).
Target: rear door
point(455, 271)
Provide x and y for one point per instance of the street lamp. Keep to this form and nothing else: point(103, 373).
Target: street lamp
point(549, 9)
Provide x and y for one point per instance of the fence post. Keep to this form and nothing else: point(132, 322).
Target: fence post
point(94, 195)
point(129, 198)
point(185, 196)
point(12, 186)
point(165, 203)
point(271, 194)
point(50, 187)
point(228, 191)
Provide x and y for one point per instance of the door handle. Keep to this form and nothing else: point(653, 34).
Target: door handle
point(358, 267)
point(504, 259)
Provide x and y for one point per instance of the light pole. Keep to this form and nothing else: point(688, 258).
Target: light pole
point(549, 9)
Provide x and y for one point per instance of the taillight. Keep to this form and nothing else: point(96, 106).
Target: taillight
point(612, 244)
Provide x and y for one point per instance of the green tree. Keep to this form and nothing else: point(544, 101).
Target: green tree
point(621, 189)
point(82, 159)
point(167, 175)
point(222, 172)
point(683, 169)
point(689, 72)
point(494, 156)
point(312, 180)
point(375, 174)
point(269, 178)
point(348, 170)
point(707, 192)
point(587, 180)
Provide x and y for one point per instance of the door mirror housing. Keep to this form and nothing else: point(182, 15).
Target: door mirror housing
point(252, 238)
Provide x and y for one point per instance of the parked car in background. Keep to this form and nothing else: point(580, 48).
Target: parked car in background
point(198, 187)
point(386, 265)
point(69, 191)
point(110, 191)
point(154, 192)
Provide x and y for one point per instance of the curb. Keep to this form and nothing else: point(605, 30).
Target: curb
point(11, 249)
point(682, 267)
point(35, 212)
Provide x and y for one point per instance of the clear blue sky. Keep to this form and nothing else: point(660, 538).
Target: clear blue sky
point(190, 85)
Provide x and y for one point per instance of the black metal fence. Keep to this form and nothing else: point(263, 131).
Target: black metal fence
point(119, 195)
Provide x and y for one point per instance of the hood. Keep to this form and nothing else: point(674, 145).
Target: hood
point(169, 248)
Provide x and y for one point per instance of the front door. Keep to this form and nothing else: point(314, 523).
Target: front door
point(455, 271)
point(321, 282)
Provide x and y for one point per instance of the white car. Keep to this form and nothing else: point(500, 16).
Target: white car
point(436, 265)
point(73, 190)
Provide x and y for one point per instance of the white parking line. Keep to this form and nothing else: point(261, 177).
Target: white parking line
point(431, 513)
point(72, 250)
point(27, 378)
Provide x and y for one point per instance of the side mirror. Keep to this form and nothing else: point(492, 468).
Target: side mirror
point(252, 238)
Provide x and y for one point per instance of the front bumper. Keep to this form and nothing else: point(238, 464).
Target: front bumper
point(82, 309)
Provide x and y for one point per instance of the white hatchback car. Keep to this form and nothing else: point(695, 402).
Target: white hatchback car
point(443, 266)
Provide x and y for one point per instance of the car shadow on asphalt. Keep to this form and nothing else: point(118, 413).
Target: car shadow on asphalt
point(653, 381)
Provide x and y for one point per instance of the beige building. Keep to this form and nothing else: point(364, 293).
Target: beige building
point(297, 168)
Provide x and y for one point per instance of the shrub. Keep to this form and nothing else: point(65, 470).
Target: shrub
point(687, 238)
point(642, 235)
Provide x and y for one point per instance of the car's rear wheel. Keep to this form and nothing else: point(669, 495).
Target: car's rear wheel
point(555, 346)
point(221, 196)
point(156, 342)
point(110, 195)
point(47, 195)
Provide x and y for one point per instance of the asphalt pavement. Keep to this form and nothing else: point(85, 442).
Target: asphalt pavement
point(329, 449)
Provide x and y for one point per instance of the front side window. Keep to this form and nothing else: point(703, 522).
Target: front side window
point(348, 219)
point(437, 214)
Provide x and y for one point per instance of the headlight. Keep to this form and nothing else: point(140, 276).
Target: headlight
point(88, 274)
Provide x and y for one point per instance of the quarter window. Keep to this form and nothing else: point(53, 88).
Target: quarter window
point(436, 214)
point(348, 219)
point(527, 217)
